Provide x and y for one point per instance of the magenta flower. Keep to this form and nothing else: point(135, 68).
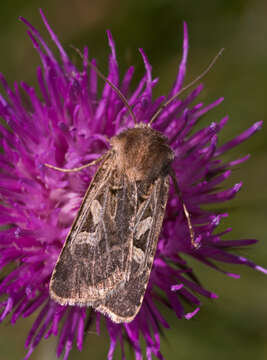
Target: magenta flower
point(68, 127)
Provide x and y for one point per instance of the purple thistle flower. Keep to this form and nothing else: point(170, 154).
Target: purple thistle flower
point(68, 127)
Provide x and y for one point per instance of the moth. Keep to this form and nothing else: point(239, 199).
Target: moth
point(108, 254)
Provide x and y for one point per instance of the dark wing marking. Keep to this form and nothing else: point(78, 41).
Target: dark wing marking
point(123, 305)
point(96, 257)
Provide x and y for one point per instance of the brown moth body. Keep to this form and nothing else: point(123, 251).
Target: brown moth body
point(108, 254)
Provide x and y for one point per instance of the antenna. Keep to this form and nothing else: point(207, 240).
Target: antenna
point(186, 87)
point(103, 77)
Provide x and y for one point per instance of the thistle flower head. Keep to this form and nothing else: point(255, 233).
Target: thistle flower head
point(68, 125)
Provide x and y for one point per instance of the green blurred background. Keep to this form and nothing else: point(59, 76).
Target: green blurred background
point(235, 325)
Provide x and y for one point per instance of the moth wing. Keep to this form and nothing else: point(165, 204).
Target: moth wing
point(96, 255)
point(123, 305)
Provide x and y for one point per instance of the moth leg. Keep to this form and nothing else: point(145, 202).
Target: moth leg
point(186, 212)
point(94, 162)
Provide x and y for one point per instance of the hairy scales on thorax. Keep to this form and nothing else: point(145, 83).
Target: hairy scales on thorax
point(142, 153)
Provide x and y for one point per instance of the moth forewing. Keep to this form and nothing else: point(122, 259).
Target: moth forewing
point(124, 305)
point(108, 255)
point(88, 268)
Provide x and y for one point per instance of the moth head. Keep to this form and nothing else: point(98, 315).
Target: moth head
point(142, 153)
